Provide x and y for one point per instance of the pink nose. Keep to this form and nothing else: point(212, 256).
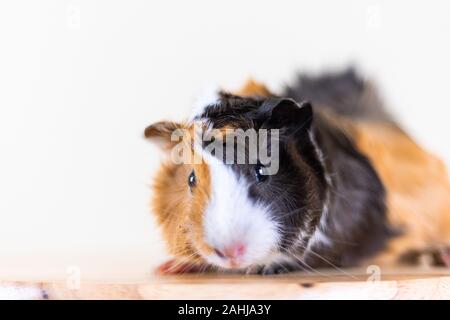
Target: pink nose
point(232, 252)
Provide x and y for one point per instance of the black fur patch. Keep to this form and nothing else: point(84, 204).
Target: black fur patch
point(356, 224)
point(345, 93)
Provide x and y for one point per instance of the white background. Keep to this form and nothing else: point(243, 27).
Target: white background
point(80, 80)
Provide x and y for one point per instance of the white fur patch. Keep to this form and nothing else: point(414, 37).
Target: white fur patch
point(231, 217)
point(208, 97)
point(320, 155)
point(319, 237)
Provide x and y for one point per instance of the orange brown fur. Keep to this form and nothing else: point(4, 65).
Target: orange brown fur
point(416, 182)
point(253, 88)
point(179, 211)
point(418, 190)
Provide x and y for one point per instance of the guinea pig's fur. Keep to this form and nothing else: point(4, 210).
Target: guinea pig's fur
point(352, 187)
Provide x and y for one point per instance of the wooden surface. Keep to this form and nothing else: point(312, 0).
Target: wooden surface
point(354, 284)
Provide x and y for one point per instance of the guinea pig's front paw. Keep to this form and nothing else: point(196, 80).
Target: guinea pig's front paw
point(438, 256)
point(173, 267)
point(444, 255)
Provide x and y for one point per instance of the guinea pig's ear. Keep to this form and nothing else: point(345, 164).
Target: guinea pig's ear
point(283, 113)
point(162, 133)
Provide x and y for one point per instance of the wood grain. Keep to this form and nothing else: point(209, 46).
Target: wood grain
point(353, 284)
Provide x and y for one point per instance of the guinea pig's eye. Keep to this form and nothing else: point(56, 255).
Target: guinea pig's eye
point(260, 173)
point(192, 180)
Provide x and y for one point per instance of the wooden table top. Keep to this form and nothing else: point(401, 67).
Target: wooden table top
point(328, 284)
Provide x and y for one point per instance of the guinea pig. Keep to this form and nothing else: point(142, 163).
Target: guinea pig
point(340, 183)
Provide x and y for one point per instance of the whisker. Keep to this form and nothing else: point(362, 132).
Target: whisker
point(309, 250)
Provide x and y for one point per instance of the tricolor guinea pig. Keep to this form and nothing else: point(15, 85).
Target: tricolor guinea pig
point(326, 179)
